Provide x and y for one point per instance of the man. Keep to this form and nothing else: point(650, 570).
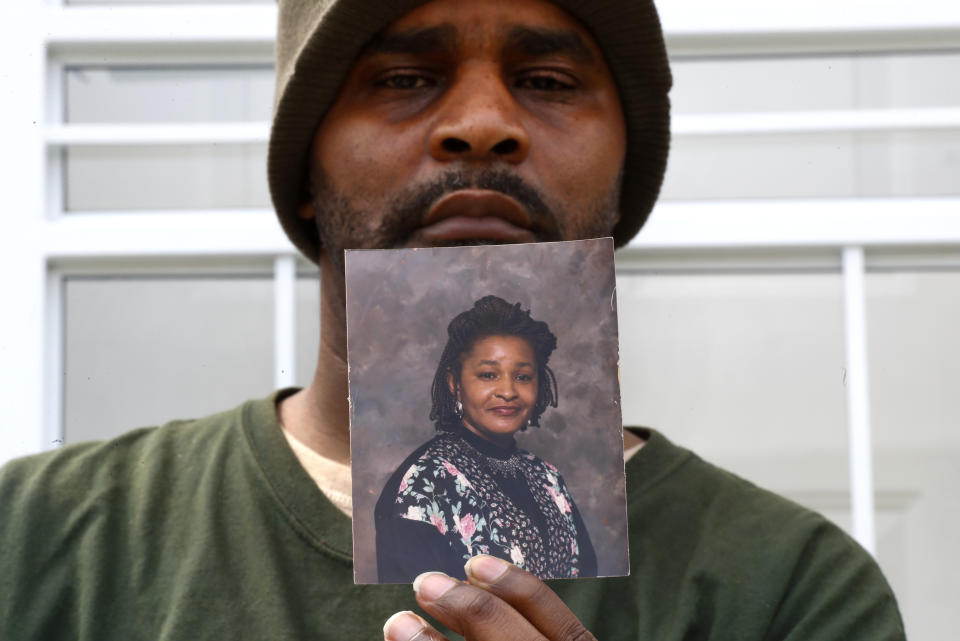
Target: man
point(404, 125)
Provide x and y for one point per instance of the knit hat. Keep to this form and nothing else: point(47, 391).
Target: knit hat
point(318, 41)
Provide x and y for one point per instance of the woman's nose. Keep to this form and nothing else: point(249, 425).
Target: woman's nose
point(506, 390)
point(479, 120)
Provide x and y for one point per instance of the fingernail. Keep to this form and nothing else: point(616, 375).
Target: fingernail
point(403, 626)
point(432, 585)
point(486, 569)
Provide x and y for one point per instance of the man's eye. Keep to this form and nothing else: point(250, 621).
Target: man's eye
point(545, 82)
point(406, 81)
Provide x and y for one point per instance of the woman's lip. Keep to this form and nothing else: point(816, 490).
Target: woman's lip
point(505, 410)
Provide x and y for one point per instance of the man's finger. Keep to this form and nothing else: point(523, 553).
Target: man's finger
point(529, 596)
point(471, 611)
point(407, 626)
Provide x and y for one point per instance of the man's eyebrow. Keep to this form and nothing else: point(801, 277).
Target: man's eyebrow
point(542, 42)
point(413, 41)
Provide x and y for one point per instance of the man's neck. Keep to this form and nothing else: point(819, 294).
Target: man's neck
point(319, 415)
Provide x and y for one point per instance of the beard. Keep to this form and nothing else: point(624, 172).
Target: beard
point(343, 225)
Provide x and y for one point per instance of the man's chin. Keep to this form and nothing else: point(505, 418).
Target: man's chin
point(417, 241)
point(460, 242)
point(425, 240)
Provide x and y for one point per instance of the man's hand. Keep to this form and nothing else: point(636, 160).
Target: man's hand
point(498, 601)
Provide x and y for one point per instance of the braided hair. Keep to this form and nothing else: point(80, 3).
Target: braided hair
point(492, 316)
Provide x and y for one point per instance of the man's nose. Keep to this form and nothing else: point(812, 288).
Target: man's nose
point(479, 120)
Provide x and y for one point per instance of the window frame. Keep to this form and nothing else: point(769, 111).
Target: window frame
point(42, 246)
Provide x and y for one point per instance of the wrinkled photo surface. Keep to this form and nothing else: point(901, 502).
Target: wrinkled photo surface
point(556, 505)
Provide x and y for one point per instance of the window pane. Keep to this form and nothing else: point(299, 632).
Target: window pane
point(145, 351)
point(132, 2)
point(166, 177)
point(914, 335)
point(703, 168)
point(725, 85)
point(813, 166)
point(308, 327)
point(914, 350)
point(169, 94)
point(746, 370)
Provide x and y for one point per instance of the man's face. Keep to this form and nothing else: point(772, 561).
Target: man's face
point(463, 122)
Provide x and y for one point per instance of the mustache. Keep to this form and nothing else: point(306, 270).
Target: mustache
point(410, 208)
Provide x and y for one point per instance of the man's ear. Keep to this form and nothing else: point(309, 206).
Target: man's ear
point(308, 196)
point(306, 210)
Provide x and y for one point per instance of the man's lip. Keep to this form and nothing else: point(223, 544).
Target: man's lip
point(467, 228)
point(478, 214)
point(479, 203)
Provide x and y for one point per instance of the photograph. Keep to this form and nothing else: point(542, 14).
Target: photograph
point(485, 410)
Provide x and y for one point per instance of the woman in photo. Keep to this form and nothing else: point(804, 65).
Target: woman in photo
point(470, 490)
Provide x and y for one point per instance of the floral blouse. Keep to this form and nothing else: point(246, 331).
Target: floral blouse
point(459, 495)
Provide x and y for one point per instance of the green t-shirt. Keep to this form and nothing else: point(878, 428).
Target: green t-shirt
point(212, 529)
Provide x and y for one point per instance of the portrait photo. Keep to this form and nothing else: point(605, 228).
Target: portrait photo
point(485, 410)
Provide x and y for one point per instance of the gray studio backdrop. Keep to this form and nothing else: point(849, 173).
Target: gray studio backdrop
point(399, 303)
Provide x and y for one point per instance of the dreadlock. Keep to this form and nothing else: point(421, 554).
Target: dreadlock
point(492, 316)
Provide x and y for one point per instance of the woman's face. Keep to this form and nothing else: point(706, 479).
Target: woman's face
point(498, 387)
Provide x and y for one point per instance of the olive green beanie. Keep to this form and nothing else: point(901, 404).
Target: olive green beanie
point(318, 40)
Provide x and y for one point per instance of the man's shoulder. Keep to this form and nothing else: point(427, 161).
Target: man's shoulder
point(137, 523)
point(722, 522)
point(718, 511)
point(90, 493)
point(781, 563)
point(698, 489)
point(744, 521)
point(76, 476)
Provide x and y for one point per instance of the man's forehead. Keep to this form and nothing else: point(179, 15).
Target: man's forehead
point(524, 39)
point(531, 27)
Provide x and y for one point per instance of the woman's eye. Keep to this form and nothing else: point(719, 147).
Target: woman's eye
point(524, 378)
point(487, 376)
point(406, 81)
